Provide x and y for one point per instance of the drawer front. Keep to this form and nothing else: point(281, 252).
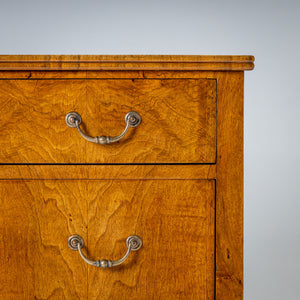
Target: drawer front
point(174, 218)
point(36, 217)
point(178, 120)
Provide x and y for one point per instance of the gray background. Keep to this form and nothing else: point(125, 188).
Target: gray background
point(269, 30)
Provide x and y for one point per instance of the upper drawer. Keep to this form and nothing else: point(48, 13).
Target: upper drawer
point(178, 120)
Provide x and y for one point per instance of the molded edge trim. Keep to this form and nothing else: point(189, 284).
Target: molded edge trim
point(125, 62)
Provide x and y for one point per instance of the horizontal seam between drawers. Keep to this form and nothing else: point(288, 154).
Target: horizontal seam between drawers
point(102, 164)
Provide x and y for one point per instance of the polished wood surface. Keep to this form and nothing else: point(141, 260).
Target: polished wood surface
point(176, 259)
point(107, 171)
point(33, 121)
point(198, 197)
point(175, 219)
point(178, 121)
point(36, 219)
point(229, 204)
point(126, 62)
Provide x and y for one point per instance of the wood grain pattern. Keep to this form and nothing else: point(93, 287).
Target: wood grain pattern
point(229, 203)
point(107, 171)
point(165, 204)
point(32, 121)
point(126, 62)
point(178, 121)
point(36, 220)
point(175, 219)
point(104, 74)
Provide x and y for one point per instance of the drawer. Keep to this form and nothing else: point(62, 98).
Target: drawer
point(178, 120)
point(174, 218)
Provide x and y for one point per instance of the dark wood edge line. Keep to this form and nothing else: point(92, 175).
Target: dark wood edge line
point(107, 164)
point(215, 242)
point(126, 61)
point(108, 178)
point(106, 78)
point(203, 68)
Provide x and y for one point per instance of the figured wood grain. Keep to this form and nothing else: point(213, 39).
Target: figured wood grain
point(174, 218)
point(178, 121)
point(107, 171)
point(104, 74)
point(32, 122)
point(229, 201)
point(36, 219)
point(143, 179)
point(126, 62)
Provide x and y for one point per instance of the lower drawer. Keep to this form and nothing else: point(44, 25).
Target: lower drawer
point(174, 218)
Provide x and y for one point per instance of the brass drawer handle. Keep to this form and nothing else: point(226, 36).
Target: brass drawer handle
point(133, 243)
point(132, 119)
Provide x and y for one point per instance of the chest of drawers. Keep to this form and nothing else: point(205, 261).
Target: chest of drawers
point(169, 186)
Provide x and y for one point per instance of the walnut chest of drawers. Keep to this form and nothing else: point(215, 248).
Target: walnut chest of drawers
point(152, 204)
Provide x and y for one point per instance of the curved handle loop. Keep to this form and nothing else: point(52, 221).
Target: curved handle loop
point(133, 243)
point(132, 119)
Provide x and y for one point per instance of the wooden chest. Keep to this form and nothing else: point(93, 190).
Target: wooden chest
point(134, 157)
